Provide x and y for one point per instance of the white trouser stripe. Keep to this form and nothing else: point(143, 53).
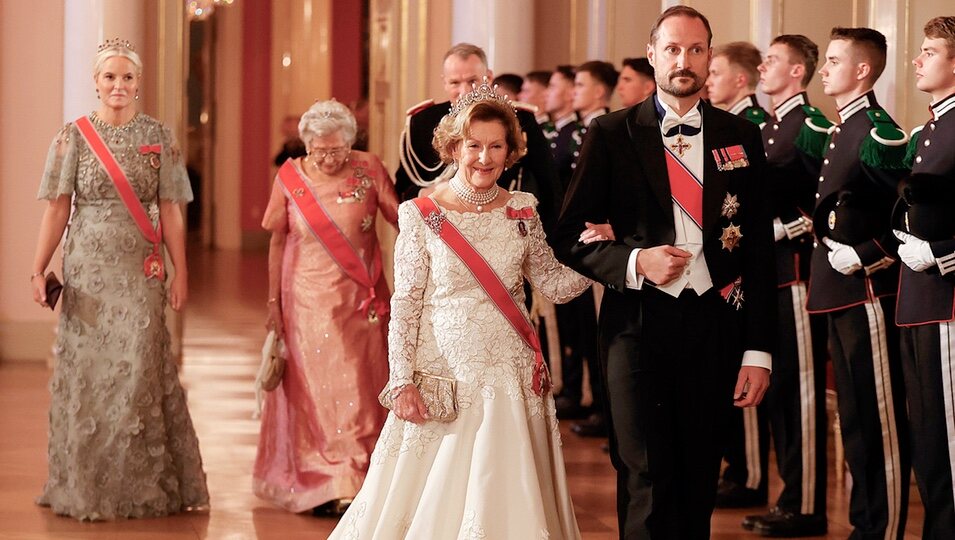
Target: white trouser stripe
point(754, 473)
point(946, 332)
point(890, 437)
point(807, 397)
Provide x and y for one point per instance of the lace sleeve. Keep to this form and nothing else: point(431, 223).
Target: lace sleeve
point(59, 173)
point(412, 268)
point(173, 179)
point(556, 282)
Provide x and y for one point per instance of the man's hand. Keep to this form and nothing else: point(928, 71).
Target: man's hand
point(915, 252)
point(842, 258)
point(662, 264)
point(751, 386)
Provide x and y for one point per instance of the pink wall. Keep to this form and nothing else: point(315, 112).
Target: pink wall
point(346, 50)
point(255, 111)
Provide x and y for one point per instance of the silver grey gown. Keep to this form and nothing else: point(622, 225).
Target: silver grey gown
point(121, 442)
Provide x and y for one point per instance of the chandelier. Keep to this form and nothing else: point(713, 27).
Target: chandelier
point(198, 10)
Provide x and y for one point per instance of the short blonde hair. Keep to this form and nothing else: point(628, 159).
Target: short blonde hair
point(453, 129)
point(325, 118)
point(117, 50)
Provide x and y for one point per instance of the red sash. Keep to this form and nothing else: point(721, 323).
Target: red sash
point(153, 265)
point(339, 248)
point(686, 190)
point(488, 279)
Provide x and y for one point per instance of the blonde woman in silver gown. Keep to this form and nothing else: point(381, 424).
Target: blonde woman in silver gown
point(121, 442)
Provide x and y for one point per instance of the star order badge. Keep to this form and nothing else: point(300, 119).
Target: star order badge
point(366, 223)
point(730, 206)
point(730, 237)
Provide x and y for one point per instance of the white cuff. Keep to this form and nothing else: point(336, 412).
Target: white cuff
point(779, 231)
point(758, 359)
point(946, 264)
point(634, 280)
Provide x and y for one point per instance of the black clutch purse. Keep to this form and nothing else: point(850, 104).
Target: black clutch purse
point(53, 290)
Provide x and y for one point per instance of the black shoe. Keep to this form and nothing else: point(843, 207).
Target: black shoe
point(570, 409)
point(789, 525)
point(732, 495)
point(749, 522)
point(333, 508)
point(593, 426)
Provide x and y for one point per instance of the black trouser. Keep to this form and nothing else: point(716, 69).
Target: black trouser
point(796, 404)
point(747, 448)
point(577, 322)
point(864, 344)
point(929, 367)
point(671, 367)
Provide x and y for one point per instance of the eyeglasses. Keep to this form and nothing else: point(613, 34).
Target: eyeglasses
point(320, 154)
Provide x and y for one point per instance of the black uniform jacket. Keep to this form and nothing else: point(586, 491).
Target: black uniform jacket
point(792, 176)
point(536, 170)
point(621, 178)
point(854, 205)
point(929, 297)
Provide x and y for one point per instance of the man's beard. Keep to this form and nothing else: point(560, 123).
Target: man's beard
point(681, 92)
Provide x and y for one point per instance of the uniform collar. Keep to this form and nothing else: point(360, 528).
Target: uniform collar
point(541, 118)
point(743, 104)
point(943, 106)
point(564, 120)
point(854, 106)
point(790, 104)
point(589, 118)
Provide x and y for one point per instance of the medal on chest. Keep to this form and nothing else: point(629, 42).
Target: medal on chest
point(680, 146)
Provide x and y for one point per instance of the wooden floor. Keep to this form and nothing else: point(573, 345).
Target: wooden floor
point(222, 336)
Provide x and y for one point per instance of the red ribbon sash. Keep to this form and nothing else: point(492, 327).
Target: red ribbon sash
point(685, 189)
point(153, 266)
point(488, 279)
point(327, 232)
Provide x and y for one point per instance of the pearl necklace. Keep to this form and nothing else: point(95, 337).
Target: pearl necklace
point(471, 196)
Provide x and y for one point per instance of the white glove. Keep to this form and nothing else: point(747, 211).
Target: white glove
point(842, 258)
point(779, 230)
point(915, 252)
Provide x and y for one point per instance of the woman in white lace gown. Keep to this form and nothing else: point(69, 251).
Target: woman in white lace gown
point(497, 471)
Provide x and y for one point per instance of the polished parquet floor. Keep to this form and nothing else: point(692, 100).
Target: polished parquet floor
point(223, 332)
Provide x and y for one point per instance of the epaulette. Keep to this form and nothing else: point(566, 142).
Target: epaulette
point(419, 107)
point(756, 115)
point(521, 106)
point(913, 146)
point(885, 146)
point(814, 134)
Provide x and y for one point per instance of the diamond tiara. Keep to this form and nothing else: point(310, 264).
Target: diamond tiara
point(484, 92)
point(115, 42)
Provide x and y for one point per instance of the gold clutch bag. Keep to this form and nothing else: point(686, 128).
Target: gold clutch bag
point(440, 396)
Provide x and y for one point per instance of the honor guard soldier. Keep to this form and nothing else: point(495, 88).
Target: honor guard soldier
point(924, 218)
point(466, 65)
point(795, 404)
point(854, 280)
point(732, 80)
point(565, 144)
point(636, 82)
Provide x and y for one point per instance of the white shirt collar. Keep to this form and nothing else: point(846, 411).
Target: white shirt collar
point(943, 106)
point(854, 106)
point(564, 120)
point(791, 103)
point(669, 113)
point(742, 104)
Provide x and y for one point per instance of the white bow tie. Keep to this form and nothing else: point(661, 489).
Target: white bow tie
point(672, 123)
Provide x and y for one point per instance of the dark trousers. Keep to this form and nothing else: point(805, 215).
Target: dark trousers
point(864, 344)
point(671, 366)
point(929, 367)
point(577, 322)
point(796, 404)
point(747, 448)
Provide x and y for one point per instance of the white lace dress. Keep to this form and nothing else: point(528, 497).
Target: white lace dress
point(498, 470)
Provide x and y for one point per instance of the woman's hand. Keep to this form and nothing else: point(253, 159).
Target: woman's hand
point(409, 406)
point(179, 291)
point(596, 232)
point(38, 283)
point(274, 322)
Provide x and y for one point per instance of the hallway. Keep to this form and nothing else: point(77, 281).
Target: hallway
point(222, 340)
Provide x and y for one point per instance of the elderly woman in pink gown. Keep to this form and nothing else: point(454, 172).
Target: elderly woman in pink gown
point(329, 300)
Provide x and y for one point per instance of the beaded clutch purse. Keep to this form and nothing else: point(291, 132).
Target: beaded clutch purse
point(440, 396)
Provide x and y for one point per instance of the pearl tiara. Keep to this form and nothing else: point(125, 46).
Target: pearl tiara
point(115, 43)
point(484, 92)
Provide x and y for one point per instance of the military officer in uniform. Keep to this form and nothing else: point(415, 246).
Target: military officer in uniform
point(734, 74)
point(466, 65)
point(636, 82)
point(925, 222)
point(795, 404)
point(732, 80)
point(854, 278)
point(534, 92)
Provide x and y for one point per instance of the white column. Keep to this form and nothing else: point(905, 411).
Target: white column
point(503, 28)
point(87, 23)
point(884, 16)
point(597, 34)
